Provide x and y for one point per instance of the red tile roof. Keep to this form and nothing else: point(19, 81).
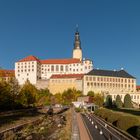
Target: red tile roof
point(29, 58)
point(137, 87)
point(59, 76)
point(60, 61)
point(7, 73)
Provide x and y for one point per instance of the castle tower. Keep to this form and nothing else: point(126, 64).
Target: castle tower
point(77, 50)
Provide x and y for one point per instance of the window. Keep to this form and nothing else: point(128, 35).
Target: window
point(52, 68)
point(57, 68)
point(90, 78)
point(61, 68)
point(66, 68)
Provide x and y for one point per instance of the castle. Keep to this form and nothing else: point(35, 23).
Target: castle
point(76, 72)
point(34, 69)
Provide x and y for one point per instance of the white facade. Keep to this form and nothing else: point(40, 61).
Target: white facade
point(33, 70)
point(81, 67)
point(108, 84)
point(27, 70)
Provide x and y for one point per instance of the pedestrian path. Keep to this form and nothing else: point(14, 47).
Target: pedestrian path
point(75, 128)
point(82, 129)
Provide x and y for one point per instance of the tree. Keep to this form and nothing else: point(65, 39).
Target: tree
point(108, 102)
point(58, 98)
point(5, 96)
point(127, 101)
point(43, 97)
point(119, 102)
point(28, 94)
point(91, 93)
point(70, 95)
point(98, 99)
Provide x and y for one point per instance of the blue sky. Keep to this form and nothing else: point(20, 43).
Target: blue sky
point(109, 31)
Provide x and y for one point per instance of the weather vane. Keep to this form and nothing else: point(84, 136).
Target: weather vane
point(77, 27)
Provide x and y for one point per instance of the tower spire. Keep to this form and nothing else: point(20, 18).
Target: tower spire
point(77, 50)
point(77, 42)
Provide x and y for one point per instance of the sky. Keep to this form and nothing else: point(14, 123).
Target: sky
point(109, 31)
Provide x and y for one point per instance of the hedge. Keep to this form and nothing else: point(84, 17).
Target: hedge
point(127, 121)
point(121, 120)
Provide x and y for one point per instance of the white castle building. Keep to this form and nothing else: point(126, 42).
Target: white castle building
point(60, 74)
point(34, 69)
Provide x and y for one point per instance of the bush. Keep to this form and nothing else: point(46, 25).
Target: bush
point(103, 112)
point(119, 103)
point(113, 118)
point(78, 109)
point(124, 121)
point(127, 101)
point(127, 121)
point(108, 102)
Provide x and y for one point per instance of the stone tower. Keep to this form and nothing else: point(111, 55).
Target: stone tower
point(77, 50)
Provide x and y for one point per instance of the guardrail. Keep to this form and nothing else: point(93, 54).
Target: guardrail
point(107, 129)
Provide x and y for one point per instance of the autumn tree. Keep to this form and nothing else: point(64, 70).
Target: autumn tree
point(70, 95)
point(91, 93)
point(5, 96)
point(28, 94)
point(98, 99)
point(43, 97)
point(58, 98)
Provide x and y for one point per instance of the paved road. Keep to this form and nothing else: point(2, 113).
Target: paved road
point(95, 133)
point(100, 130)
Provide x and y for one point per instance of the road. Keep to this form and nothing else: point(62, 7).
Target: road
point(100, 130)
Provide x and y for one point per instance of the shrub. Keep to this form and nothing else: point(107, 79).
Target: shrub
point(78, 109)
point(127, 101)
point(119, 103)
point(127, 121)
point(103, 112)
point(113, 118)
point(108, 102)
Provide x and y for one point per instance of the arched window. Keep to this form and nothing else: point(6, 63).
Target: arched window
point(61, 68)
point(57, 68)
point(52, 68)
point(66, 68)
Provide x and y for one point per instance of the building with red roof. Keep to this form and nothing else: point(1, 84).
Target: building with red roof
point(6, 75)
point(35, 69)
point(60, 83)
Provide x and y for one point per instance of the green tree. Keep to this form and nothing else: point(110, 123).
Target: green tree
point(91, 93)
point(58, 98)
point(15, 90)
point(70, 95)
point(28, 94)
point(5, 96)
point(98, 99)
point(119, 102)
point(108, 102)
point(44, 97)
point(127, 101)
